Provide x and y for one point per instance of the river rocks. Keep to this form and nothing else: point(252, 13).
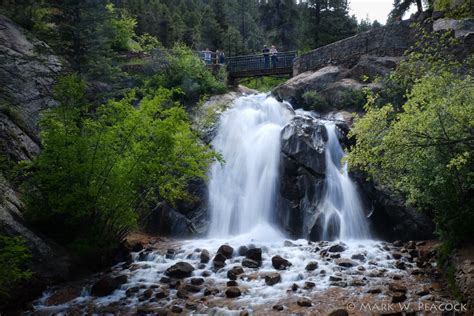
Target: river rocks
point(337, 248)
point(176, 309)
point(107, 285)
point(397, 287)
point(254, 254)
point(63, 296)
point(242, 251)
point(219, 260)
point(180, 270)
point(226, 250)
point(311, 266)
point(304, 302)
point(339, 312)
point(309, 285)
point(233, 292)
point(358, 256)
point(249, 263)
point(280, 263)
point(205, 256)
point(398, 297)
point(234, 272)
point(278, 307)
point(346, 263)
point(197, 281)
point(272, 278)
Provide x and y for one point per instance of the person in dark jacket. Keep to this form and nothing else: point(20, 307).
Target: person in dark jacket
point(266, 56)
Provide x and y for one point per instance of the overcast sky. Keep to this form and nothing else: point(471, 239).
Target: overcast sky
point(375, 9)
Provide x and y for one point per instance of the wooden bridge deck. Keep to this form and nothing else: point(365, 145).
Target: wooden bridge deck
point(254, 65)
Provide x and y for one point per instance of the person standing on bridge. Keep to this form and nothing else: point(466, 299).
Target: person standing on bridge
point(207, 56)
point(274, 53)
point(221, 57)
point(266, 56)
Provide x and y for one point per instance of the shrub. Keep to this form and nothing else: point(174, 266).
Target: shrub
point(14, 257)
point(315, 101)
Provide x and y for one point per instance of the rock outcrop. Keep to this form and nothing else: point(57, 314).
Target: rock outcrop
point(27, 73)
point(336, 73)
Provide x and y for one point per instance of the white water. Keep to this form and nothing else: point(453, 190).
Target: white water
point(242, 190)
point(341, 206)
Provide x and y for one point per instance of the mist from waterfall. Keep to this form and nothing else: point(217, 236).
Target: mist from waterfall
point(343, 216)
point(242, 191)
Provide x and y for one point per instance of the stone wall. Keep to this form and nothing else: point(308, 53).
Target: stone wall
point(391, 40)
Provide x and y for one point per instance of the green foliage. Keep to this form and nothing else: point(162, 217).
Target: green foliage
point(122, 26)
point(315, 101)
point(426, 150)
point(98, 171)
point(14, 257)
point(264, 84)
point(186, 71)
point(455, 9)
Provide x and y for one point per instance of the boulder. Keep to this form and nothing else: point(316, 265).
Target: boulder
point(205, 256)
point(219, 260)
point(232, 292)
point(304, 302)
point(180, 270)
point(272, 278)
point(234, 272)
point(249, 263)
point(339, 312)
point(337, 248)
point(346, 263)
point(311, 266)
point(107, 285)
point(254, 254)
point(226, 250)
point(280, 263)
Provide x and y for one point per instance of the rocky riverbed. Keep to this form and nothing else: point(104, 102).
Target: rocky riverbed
point(256, 275)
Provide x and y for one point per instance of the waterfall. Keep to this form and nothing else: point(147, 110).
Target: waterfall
point(341, 208)
point(242, 191)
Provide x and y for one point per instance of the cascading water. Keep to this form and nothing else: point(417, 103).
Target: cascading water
point(343, 217)
point(242, 190)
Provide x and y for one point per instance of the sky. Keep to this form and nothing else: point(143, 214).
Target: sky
point(375, 9)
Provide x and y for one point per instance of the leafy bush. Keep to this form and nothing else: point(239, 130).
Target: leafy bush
point(264, 84)
point(185, 70)
point(122, 28)
point(426, 150)
point(14, 256)
point(97, 171)
point(315, 101)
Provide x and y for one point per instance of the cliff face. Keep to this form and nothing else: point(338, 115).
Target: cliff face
point(28, 69)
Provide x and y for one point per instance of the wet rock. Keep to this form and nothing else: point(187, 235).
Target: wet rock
point(226, 250)
point(180, 270)
point(398, 243)
point(397, 287)
point(181, 293)
point(232, 283)
point(63, 296)
point(413, 253)
point(234, 272)
point(197, 281)
point(398, 297)
point(219, 260)
point(176, 309)
point(346, 263)
point(294, 287)
point(311, 266)
point(358, 256)
point(232, 292)
point(278, 307)
point(205, 256)
point(210, 291)
point(162, 293)
point(338, 312)
point(132, 290)
point(192, 288)
point(280, 263)
point(374, 290)
point(416, 272)
point(400, 265)
point(254, 254)
point(191, 305)
point(174, 283)
point(288, 243)
point(335, 256)
point(334, 278)
point(337, 248)
point(396, 255)
point(309, 285)
point(242, 250)
point(147, 294)
point(357, 282)
point(249, 263)
point(304, 302)
point(206, 273)
point(272, 278)
point(170, 253)
point(165, 280)
point(424, 291)
point(244, 313)
point(107, 285)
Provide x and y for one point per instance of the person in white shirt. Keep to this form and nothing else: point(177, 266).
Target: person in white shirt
point(274, 54)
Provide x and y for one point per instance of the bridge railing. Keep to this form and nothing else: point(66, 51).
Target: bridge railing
point(257, 62)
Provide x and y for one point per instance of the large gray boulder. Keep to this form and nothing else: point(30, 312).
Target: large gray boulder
point(302, 171)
